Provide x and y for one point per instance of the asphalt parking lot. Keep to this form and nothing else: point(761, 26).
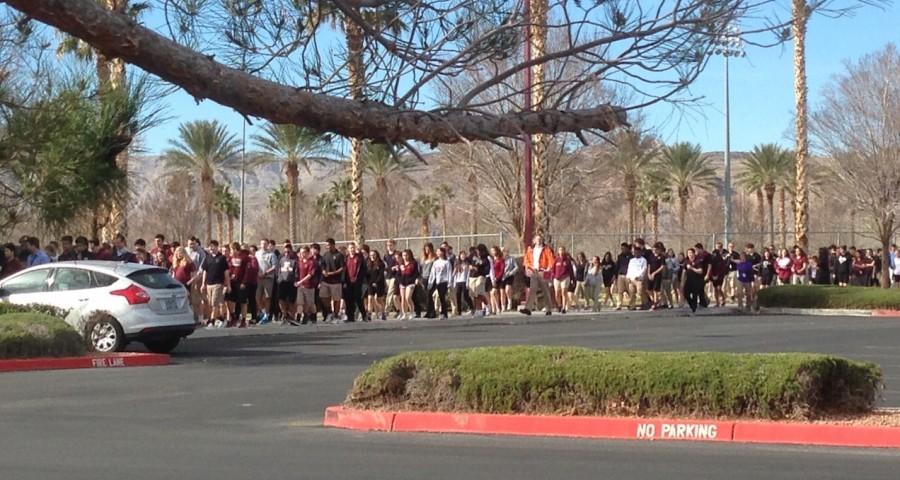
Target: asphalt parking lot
point(248, 404)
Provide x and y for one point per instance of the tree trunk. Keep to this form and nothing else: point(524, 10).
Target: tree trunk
point(293, 173)
point(853, 227)
point(887, 229)
point(230, 228)
point(770, 202)
point(538, 30)
point(800, 16)
point(426, 228)
point(782, 214)
point(682, 209)
point(631, 199)
point(443, 219)
point(654, 212)
point(356, 78)
point(208, 186)
point(473, 179)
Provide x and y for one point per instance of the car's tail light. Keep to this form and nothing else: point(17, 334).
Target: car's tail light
point(134, 295)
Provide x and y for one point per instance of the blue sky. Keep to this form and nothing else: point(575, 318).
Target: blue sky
point(761, 88)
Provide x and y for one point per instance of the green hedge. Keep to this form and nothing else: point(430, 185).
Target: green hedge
point(579, 381)
point(28, 335)
point(50, 310)
point(817, 296)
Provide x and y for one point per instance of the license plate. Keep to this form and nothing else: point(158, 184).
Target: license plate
point(169, 304)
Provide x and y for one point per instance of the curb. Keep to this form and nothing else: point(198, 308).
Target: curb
point(615, 428)
point(110, 360)
point(831, 312)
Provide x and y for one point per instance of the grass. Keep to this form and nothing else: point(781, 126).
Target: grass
point(830, 297)
point(579, 381)
point(32, 334)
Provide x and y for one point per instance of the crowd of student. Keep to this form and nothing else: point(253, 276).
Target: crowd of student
point(237, 285)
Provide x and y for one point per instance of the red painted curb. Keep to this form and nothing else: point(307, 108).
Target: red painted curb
point(831, 435)
point(558, 426)
point(615, 428)
point(365, 420)
point(110, 360)
point(886, 313)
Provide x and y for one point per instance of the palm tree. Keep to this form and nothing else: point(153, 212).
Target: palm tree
point(444, 194)
point(381, 163)
point(378, 19)
point(205, 151)
point(111, 75)
point(279, 199)
point(687, 170)
point(424, 207)
point(228, 206)
point(326, 210)
point(293, 148)
point(800, 11)
point(633, 152)
point(653, 188)
point(767, 167)
point(341, 191)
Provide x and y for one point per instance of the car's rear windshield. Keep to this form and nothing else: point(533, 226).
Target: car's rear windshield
point(154, 278)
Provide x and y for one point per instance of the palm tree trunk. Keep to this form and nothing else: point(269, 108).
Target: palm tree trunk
point(654, 212)
point(292, 173)
point(230, 229)
point(782, 213)
point(114, 78)
point(346, 220)
point(770, 201)
point(800, 16)
point(538, 29)
point(208, 186)
point(682, 209)
point(220, 224)
point(426, 228)
point(357, 77)
point(761, 215)
point(631, 199)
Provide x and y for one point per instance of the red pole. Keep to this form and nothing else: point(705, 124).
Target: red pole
point(529, 199)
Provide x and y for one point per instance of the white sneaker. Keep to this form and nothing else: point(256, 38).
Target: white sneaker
point(329, 318)
point(219, 324)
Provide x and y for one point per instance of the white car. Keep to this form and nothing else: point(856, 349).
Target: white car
point(111, 303)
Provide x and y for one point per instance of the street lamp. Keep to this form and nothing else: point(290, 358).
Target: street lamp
point(728, 44)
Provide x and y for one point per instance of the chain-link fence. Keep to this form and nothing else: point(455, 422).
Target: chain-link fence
point(598, 243)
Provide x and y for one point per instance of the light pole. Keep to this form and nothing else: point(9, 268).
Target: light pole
point(243, 176)
point(728, 44)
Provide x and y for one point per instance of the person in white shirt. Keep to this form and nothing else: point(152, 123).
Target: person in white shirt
point(439, 280)
point(265, 285)
point(636, 275)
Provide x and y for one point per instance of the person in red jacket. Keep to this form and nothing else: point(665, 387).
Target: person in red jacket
point(237, 297)
point(539, 262)
point(308, 274)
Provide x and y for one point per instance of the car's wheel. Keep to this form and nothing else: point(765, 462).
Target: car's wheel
point(104, 334)
point(164, 345)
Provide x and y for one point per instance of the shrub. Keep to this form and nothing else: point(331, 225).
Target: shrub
point(49, 310)
point(818, 296)
point(27, 335)
point(579, 381)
